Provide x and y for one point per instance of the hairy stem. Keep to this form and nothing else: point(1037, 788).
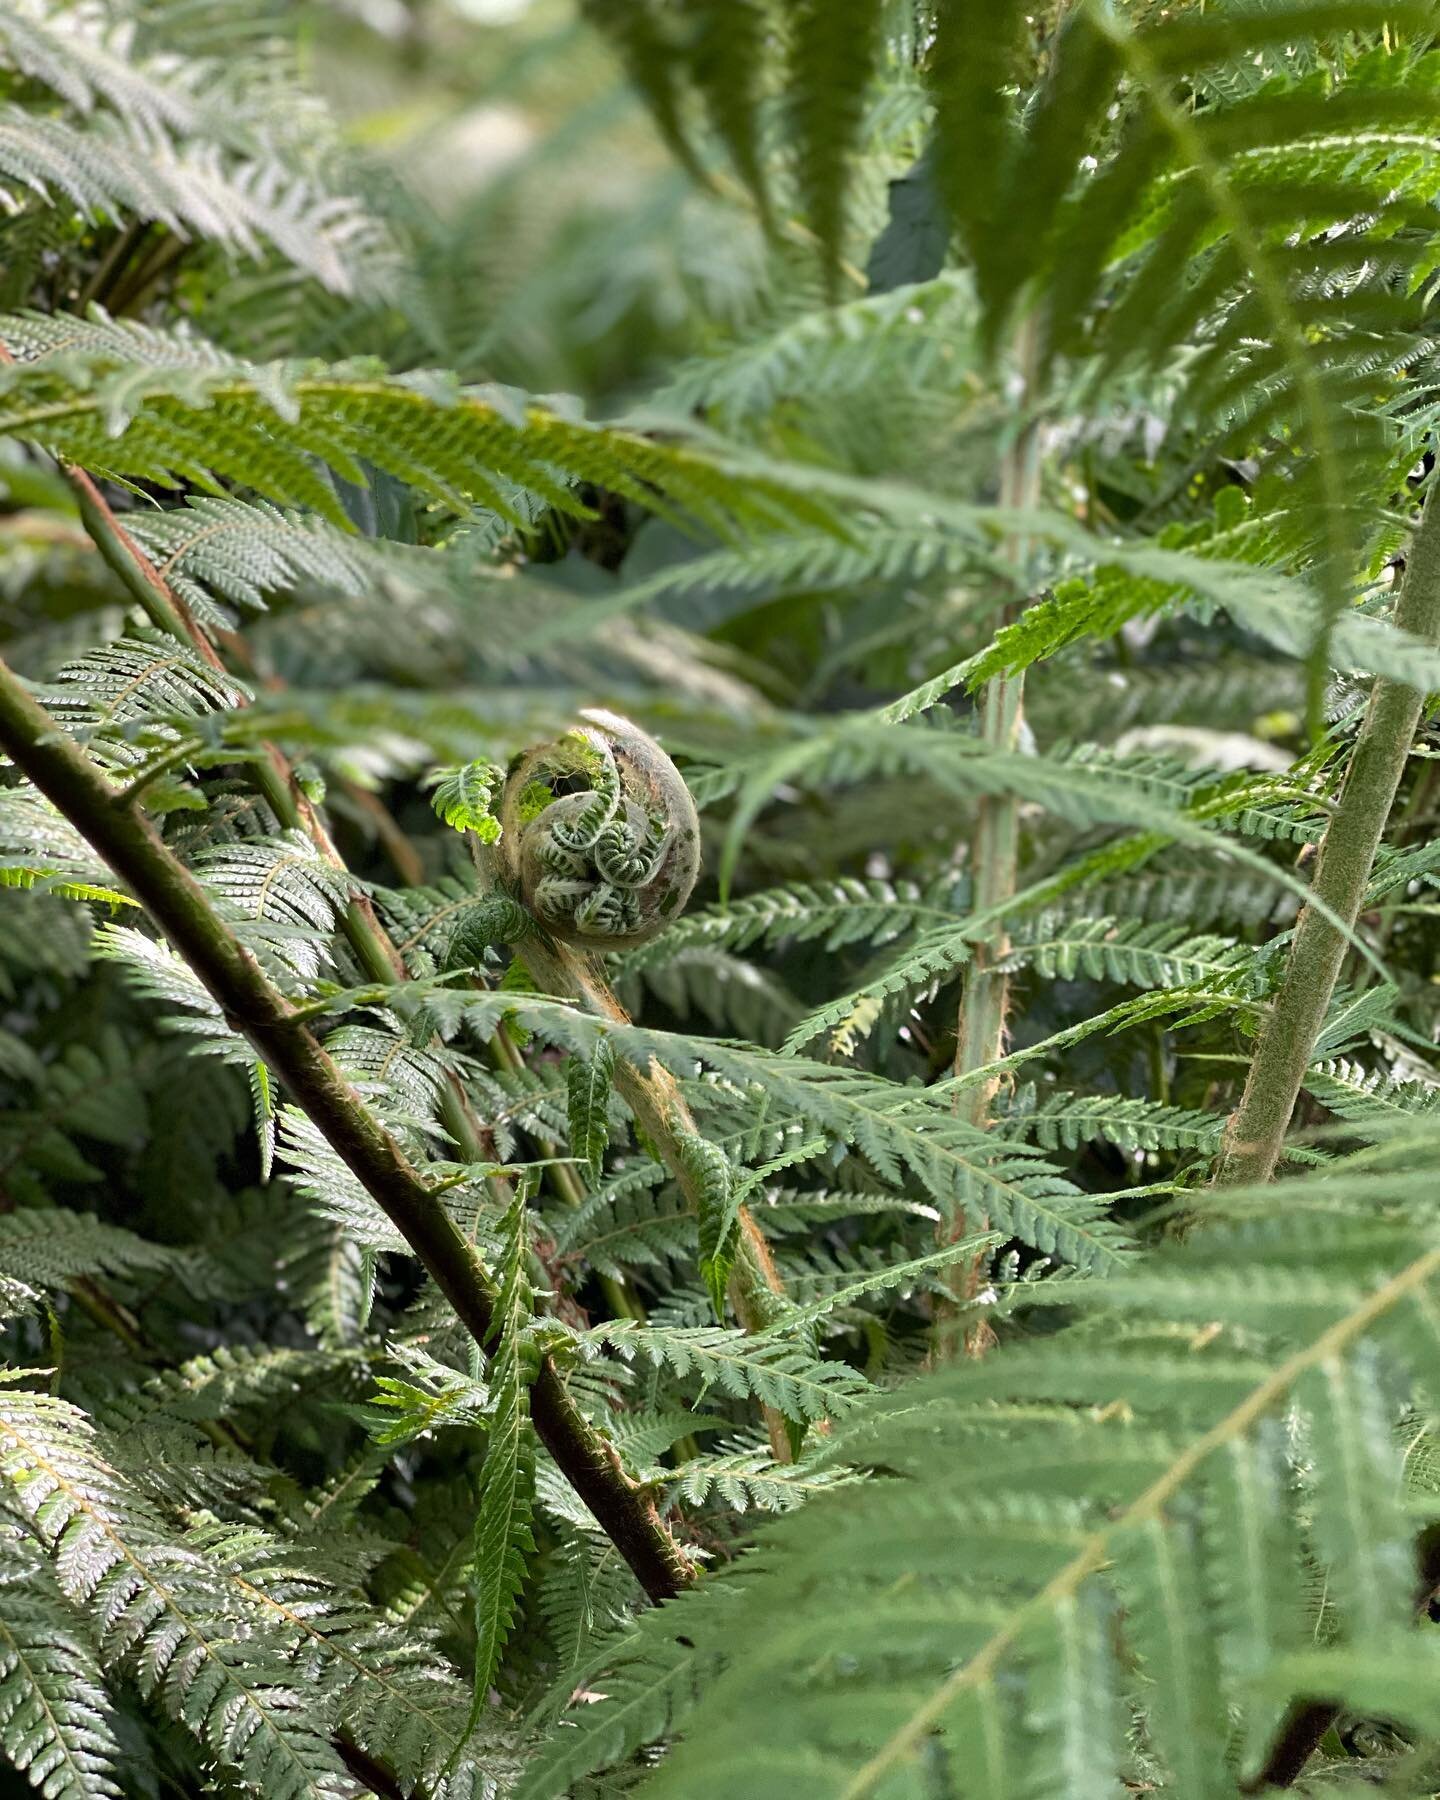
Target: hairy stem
point(1255, 1134)
point(994, 862)
point(124, 837)
point(654, 1096)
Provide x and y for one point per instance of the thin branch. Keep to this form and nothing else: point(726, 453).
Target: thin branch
point(1255, 1134)
point(127, 841)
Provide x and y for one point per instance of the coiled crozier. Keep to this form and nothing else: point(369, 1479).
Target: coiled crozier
point(600, 840)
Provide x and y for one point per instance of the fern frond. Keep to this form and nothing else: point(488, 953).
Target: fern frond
point(1284, 614)
point(1070, 1121)
point(197, 191)
point(45, 1247)
point(282, 881)
point(90, 1090)
point(648, 1686)
point(390, 1069)
point(836, 353)
point(1138, 955)
point(835, 47)
point(55, 1711)
point(902, 1133)
point(744, 1478)
point(144, 680)
point(937, 952)
point(233, 551)
point(851, 1286)
point(975, 64)
point(330, 1187)
point(586, 1595)
point(770, 1370)
point(162, 1610)
point(626, 1224)
point(396, 1695)
point(437, 1396)
point(728, 42)
point(265, 425)
point(158, 973)
point(837, 914)
point(1091, 1476)
point(589, 1084)
point(226, 1381)
point(1363, 1096)
point(70, 50)
point(503, 1537)
point(40, 849)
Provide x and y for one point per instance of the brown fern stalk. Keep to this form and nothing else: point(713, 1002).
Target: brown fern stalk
point(653, 1095)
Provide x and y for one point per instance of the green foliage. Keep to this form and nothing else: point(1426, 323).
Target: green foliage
point(502, 1516)
point(767, 1369)
point(57, 1725)
point(707, 1168)
point(123, 401)
point(588, 1083)
point(152, 1592)
point(464, 797)
point(1137, 1479)
point(924, 360)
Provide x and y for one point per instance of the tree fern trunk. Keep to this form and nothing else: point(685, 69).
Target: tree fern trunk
point(1256, 1131)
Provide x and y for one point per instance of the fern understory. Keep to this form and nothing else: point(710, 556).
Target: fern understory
point(719, 899)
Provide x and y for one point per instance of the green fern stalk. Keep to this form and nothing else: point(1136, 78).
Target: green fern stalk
point(1256, 1132)
point(994, 859)
point(122, 835)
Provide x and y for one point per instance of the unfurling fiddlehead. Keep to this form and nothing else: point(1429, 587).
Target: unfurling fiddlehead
point(599, 836)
